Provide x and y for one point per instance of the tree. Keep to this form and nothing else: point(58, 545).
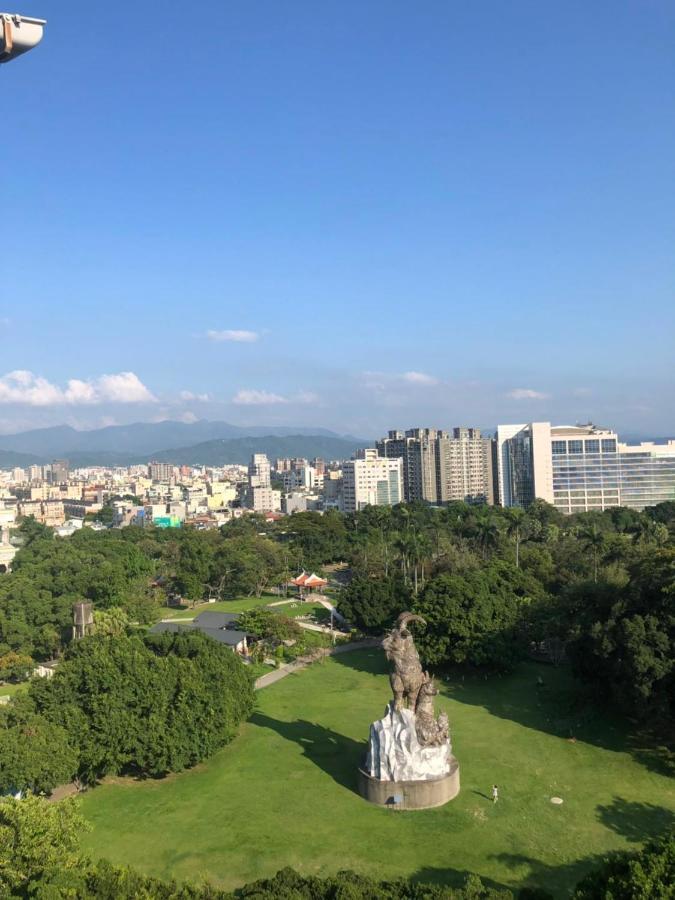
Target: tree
point(515, 520)
point(192, 571)
point(290, 885)
point(372, 603)
point(152, 706)
point(34, 754)
point(647, 874)
point(269, 625)
point(38, 839)
point(593, 540)
point(473, 618)
point(623, 639)
point(486, 532)
point(113, 621)
point(15, 666)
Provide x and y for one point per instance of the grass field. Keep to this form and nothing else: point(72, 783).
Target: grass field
point(242, 604)
point(237, 605)
point(283, 793)
point(10, 690)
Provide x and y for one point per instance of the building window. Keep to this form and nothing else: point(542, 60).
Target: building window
point(592, 446)
point(608, 446)
point(558, 447)
point(576, 446)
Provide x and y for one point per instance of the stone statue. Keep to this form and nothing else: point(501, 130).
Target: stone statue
point(409, 763)
point(431, 732)
point(409, 743)
point(406, 677)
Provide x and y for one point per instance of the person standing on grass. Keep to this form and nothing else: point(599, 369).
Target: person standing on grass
point(495, 793)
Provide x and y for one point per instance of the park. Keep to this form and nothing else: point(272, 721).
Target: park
point(283, 793)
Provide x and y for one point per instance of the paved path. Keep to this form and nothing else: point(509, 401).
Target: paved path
point(303, 661)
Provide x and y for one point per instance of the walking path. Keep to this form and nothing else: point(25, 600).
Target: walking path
point(302, 661)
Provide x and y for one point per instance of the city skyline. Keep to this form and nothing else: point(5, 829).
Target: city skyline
point(353, 217)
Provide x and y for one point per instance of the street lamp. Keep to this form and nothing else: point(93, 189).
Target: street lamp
point(18, 34)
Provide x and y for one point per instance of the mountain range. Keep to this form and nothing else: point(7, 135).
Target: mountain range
point(202, 442)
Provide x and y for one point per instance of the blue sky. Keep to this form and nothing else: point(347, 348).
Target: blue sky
point(362, 215)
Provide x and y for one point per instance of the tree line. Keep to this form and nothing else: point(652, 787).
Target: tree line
point(40, 857)
point(595, 588)
point(124, 705)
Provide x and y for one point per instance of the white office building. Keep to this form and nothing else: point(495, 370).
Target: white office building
point(371, 480)
point(580, 468)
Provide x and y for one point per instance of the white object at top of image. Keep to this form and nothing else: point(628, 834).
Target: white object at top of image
point(18, 34)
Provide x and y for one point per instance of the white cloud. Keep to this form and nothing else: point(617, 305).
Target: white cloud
point(80, 392)
point(239, 336)
point(5, 322)
point(308, 397)
point(526, 394)
point(419, 378)
point(188, 417)
point(126, 387)
point(188, 396)
point(257, 398)
point(23, 387)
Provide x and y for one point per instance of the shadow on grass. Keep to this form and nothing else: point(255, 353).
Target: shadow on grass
point(337, 755)
point(455, 878)
point(548, 699)
point(370, 660)
point(557, 880)
point(544, 698)
point(635, 821)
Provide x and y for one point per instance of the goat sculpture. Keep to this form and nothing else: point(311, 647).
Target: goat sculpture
point(407, 675)
point(412, 686)
point(431, 731)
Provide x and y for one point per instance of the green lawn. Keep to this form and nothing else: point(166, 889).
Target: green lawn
point(295, 610)
point(237, 605)
point(10, 690)
point(241, 604)
point(283, 793)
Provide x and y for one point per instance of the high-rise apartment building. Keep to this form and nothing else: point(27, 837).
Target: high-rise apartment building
point(260, 496)
point(58, 471)
point(159, 471)
point(465, 467)
point(371, 480)
point(416, 448)
point(439, 467)
point(581, 468)
point(259, 471)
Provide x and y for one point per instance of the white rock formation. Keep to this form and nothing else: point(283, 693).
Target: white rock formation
point(395, 754)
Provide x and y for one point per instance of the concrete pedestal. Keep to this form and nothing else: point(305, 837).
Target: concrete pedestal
point(411, 794)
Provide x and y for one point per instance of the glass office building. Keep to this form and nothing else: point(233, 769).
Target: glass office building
point(580, 468)
point(586, 469)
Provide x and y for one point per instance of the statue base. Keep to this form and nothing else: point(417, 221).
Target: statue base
point(424, 794)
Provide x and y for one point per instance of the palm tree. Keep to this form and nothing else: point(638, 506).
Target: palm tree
point(515, 519)
point(593, 540)
point(419, 549)
point(647, 531)
point(486, 533)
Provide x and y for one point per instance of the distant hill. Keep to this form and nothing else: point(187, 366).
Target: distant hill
point(139, 440)
point(239, 450)
point(209, 453)
point(10, 460)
